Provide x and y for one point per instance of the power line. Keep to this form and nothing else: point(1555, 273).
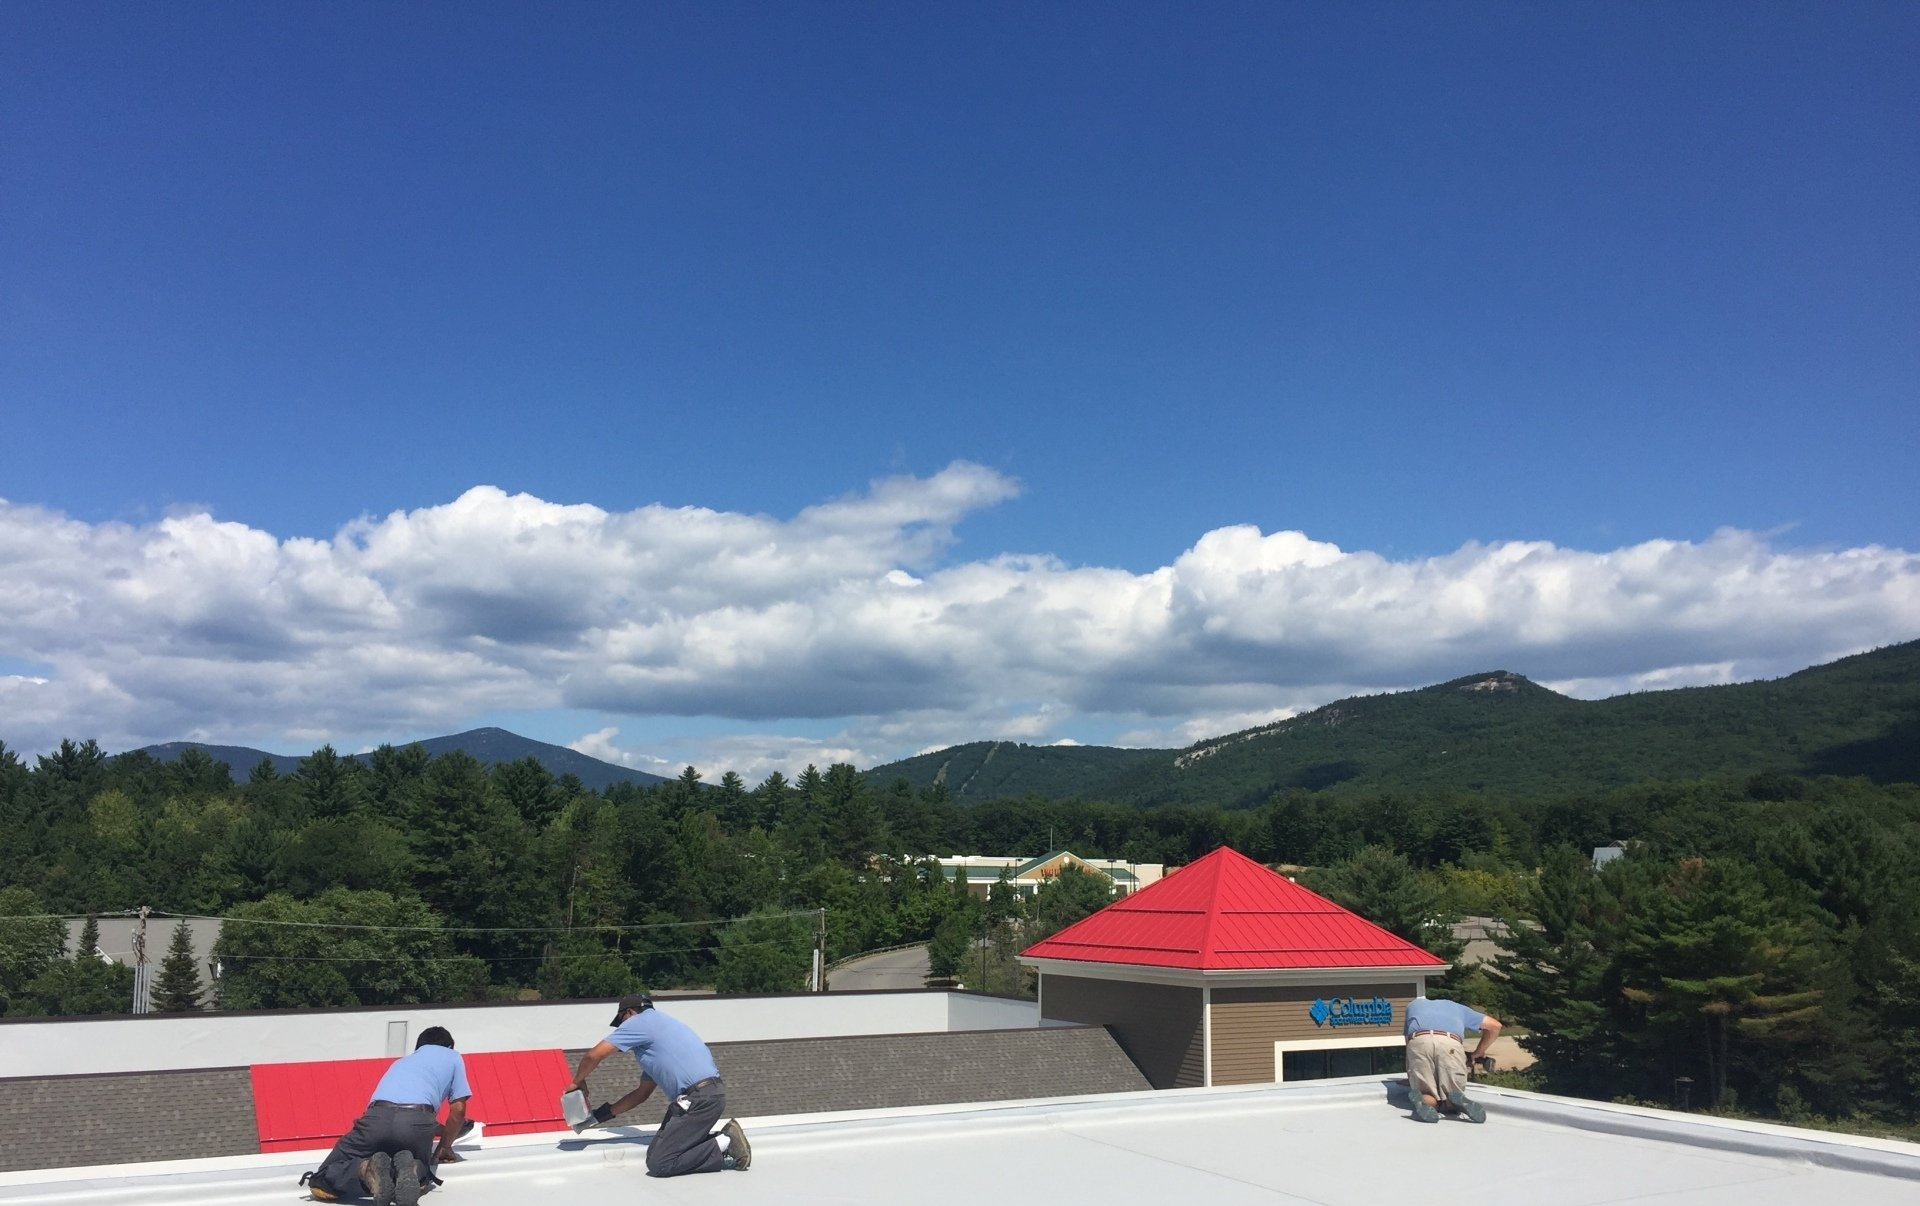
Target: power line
point(605, 928)
point(469, 929)
point(641, 954)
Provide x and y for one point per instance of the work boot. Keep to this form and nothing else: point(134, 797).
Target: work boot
point(376, 1173)
point(1469, 1109)
point(1422, 1112)
point(406, 1180)
point(738, 1149)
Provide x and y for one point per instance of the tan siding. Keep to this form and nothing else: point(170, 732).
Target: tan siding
point(1157, 1025)
point(1247, 1022)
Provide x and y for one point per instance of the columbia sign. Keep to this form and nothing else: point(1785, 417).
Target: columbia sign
point(1347, 1011)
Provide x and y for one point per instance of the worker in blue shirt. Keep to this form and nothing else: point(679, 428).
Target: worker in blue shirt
point(391, 1148)
point(1437, 1058)
point(671, 1056)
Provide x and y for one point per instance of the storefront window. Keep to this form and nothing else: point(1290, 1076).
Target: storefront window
point(1322, 1063)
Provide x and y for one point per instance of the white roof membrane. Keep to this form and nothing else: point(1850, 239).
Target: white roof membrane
point(1328, 1144)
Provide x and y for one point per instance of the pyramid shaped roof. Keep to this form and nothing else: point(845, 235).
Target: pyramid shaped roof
point(1225, 912)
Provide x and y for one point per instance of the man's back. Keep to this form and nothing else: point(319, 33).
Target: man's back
point(429, 1076)
point(670, 1054)
point(1437, 1013)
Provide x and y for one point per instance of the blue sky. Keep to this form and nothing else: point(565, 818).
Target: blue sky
point(374, 371)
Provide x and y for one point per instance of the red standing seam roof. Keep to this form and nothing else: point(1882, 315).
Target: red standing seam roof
point(518, 1092)
point(298, 1106)
point(1225, 912)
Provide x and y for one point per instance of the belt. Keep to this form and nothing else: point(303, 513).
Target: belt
point(711, 1082)
point(401, 1105)
point(1450, 1034)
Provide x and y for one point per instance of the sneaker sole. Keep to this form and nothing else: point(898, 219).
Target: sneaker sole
point(1471, 1110)
point(382, 1166)
point(406, 1184)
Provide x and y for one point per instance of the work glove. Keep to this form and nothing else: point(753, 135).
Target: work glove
point(603, 1113)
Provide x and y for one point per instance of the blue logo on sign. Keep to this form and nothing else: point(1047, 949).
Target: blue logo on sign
point(1349, 1011)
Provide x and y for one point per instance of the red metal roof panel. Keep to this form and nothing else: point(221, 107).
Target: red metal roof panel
point(1225, 912)
point(305, 1105)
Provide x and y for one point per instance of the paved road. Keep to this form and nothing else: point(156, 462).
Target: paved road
point(888, 969)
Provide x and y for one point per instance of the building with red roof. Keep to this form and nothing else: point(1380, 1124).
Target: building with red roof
point(1229, 973)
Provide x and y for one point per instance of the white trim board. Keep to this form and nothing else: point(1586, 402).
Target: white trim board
point(1274, 978)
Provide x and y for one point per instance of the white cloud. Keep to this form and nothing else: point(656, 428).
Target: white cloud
point(850, 612)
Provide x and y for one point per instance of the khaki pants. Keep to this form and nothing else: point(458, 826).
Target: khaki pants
point(1436, 1066)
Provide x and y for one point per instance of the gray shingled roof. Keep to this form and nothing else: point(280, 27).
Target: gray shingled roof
point(64, 1121)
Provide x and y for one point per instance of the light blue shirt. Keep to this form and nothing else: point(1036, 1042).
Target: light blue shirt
point(669, 1053)
point(1436, 1013)
point(431, 1075)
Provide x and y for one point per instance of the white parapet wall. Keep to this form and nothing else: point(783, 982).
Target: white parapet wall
point(161, 1042)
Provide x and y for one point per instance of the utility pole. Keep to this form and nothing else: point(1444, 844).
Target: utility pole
point(142, 996)
point(983, 952)
point(820, 950)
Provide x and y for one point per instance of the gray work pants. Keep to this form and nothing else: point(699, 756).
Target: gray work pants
point(401, 1131)
point(685, 1142)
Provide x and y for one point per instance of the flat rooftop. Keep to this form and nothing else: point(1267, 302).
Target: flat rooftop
point(1323, 1144)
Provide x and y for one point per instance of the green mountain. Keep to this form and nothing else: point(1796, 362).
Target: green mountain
point(488, 746)
point(1495, 732)
point(986, 770)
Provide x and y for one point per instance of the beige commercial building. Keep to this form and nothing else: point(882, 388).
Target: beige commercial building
point(1226, 973)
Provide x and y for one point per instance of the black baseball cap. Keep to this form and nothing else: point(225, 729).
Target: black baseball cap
point(638, 1002)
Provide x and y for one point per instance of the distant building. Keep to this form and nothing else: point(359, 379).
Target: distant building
point(1230, 974)
point(1602, 855)
point(982, 871)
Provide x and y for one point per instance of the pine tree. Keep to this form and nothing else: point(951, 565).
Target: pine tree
point(89, 939)
point(1559, 979)
point(1384, 887)
point(177, 990)
point(1725, 977)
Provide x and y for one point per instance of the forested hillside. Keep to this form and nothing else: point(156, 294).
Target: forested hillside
point(1495, 733)
point(989, 770)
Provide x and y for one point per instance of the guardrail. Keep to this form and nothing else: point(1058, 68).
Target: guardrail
point(878, 950)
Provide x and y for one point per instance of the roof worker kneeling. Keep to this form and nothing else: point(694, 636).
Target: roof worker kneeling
point(692, 1138)
point(394, 1145)
point(1437, 1059)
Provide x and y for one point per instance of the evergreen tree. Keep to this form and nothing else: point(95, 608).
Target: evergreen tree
point(1383, 887)
point(528, 790)
point(1068, 897)
point(1719, 974)
point(1003, 900)
point(1558, 979)
point(855, 827)
point(732, 804)
point(329, 785)
point(177, 988)
point(949, 946)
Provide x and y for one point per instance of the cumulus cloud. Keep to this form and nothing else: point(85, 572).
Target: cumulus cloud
point(852, 613)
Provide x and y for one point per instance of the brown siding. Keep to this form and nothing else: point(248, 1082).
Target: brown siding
point(1158, 1025)
point(1247, 1022)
